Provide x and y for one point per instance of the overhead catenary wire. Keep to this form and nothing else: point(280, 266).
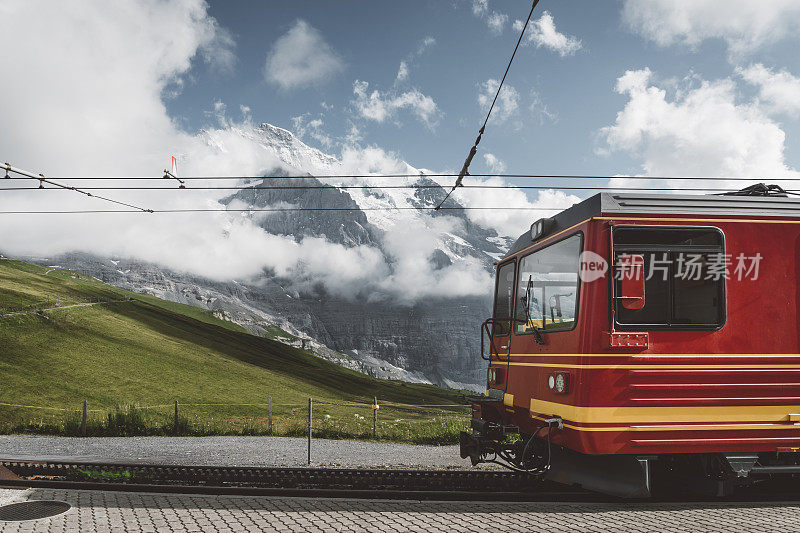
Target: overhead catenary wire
point(280, 209)
point(170, 175)
point(42, 180)
point(323, 209)
point(474, 149)
point(327, 187)
point(440, 175)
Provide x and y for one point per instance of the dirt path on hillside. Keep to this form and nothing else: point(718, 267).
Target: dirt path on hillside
point(16, 313)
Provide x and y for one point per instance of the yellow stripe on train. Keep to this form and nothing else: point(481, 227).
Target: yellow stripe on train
point(666, 415)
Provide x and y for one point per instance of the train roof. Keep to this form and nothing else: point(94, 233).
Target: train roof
point(609, 203)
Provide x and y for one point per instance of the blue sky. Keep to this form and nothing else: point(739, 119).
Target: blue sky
point(114, 89)
point(372, 38)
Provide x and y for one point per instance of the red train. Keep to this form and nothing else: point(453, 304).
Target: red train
point(641, 337)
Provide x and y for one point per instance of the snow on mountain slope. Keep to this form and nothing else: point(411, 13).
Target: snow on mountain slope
point(281, 143)
point(384, 206)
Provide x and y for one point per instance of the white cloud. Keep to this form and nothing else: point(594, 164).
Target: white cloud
point(402, 72)
point(353, 136)
point(700, 130)
point(300, 58)
point(380, 107)
point(218, 50)
point(507, 104)
point(744, 25)
point(425, 44)
point(497, 22)
point(542, 33)
point(97, 102)
point(494, 164)
point(540, 109)
point(303, 125)
point(520, 212)
point(413, 276)
point(404, 69)
point(480, 7)
point(779, 90)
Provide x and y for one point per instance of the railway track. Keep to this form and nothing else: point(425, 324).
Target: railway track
point(458, 485)
point(329, 482)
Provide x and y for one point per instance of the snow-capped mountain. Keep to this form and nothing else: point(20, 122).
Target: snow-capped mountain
point(383, 206)
point(416, 321)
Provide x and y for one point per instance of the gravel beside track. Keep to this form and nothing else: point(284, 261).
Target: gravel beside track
point(229, 451)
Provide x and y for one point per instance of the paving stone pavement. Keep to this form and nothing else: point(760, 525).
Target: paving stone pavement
point(129, 511)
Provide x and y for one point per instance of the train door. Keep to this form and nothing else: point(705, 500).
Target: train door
point(501, 326)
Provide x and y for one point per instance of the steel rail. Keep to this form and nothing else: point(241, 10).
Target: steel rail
point(445, 485)
point(282, 481)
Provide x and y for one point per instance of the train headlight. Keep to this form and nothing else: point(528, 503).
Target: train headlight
point(561, 383)
point(558, 382)
point(540, 228)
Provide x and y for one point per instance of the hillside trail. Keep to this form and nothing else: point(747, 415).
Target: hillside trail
point(33, 312)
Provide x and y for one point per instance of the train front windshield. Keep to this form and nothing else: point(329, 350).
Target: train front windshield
point(547, 287)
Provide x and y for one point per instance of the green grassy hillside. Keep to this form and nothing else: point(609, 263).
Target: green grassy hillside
point(139, 350)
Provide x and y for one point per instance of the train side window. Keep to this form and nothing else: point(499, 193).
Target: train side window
point(547, 287)
point(504, 299)
point(684, 285)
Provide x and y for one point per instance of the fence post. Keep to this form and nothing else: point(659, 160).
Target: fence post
point(270, 415)
point(176, 417)
point(375, 417)
point(310, 423)
point(83, 419)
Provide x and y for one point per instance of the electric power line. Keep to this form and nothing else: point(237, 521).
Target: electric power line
point(43, 180)
point(474, 149)
point(437, 175)
point(282, 209)
point(366, 187)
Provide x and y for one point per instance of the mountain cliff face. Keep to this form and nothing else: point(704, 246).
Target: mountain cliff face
point(434, 338)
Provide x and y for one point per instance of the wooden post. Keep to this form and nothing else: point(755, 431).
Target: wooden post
point(83, 419)
point(310, 423)
point(176, 417)
point(375, 417)
point(270, 415)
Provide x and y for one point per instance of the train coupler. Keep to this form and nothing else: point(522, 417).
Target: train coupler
point(470, 447)
point(484, 440)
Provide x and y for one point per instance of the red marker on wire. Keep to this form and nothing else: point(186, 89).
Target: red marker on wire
point(173, 174)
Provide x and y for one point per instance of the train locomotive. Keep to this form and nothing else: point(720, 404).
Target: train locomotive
point(646, 338)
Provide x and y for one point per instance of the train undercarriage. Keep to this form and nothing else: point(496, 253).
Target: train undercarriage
point(622, 475)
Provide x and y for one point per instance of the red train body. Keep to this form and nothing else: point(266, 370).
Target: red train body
point(648, 330)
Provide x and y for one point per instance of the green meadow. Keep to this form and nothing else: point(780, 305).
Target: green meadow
point(131, 356)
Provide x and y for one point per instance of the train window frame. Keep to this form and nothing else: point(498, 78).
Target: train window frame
point(513, 261)
point(578, 233)
point(615, 249)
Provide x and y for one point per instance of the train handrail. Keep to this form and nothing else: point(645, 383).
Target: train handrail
point(485, 330)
